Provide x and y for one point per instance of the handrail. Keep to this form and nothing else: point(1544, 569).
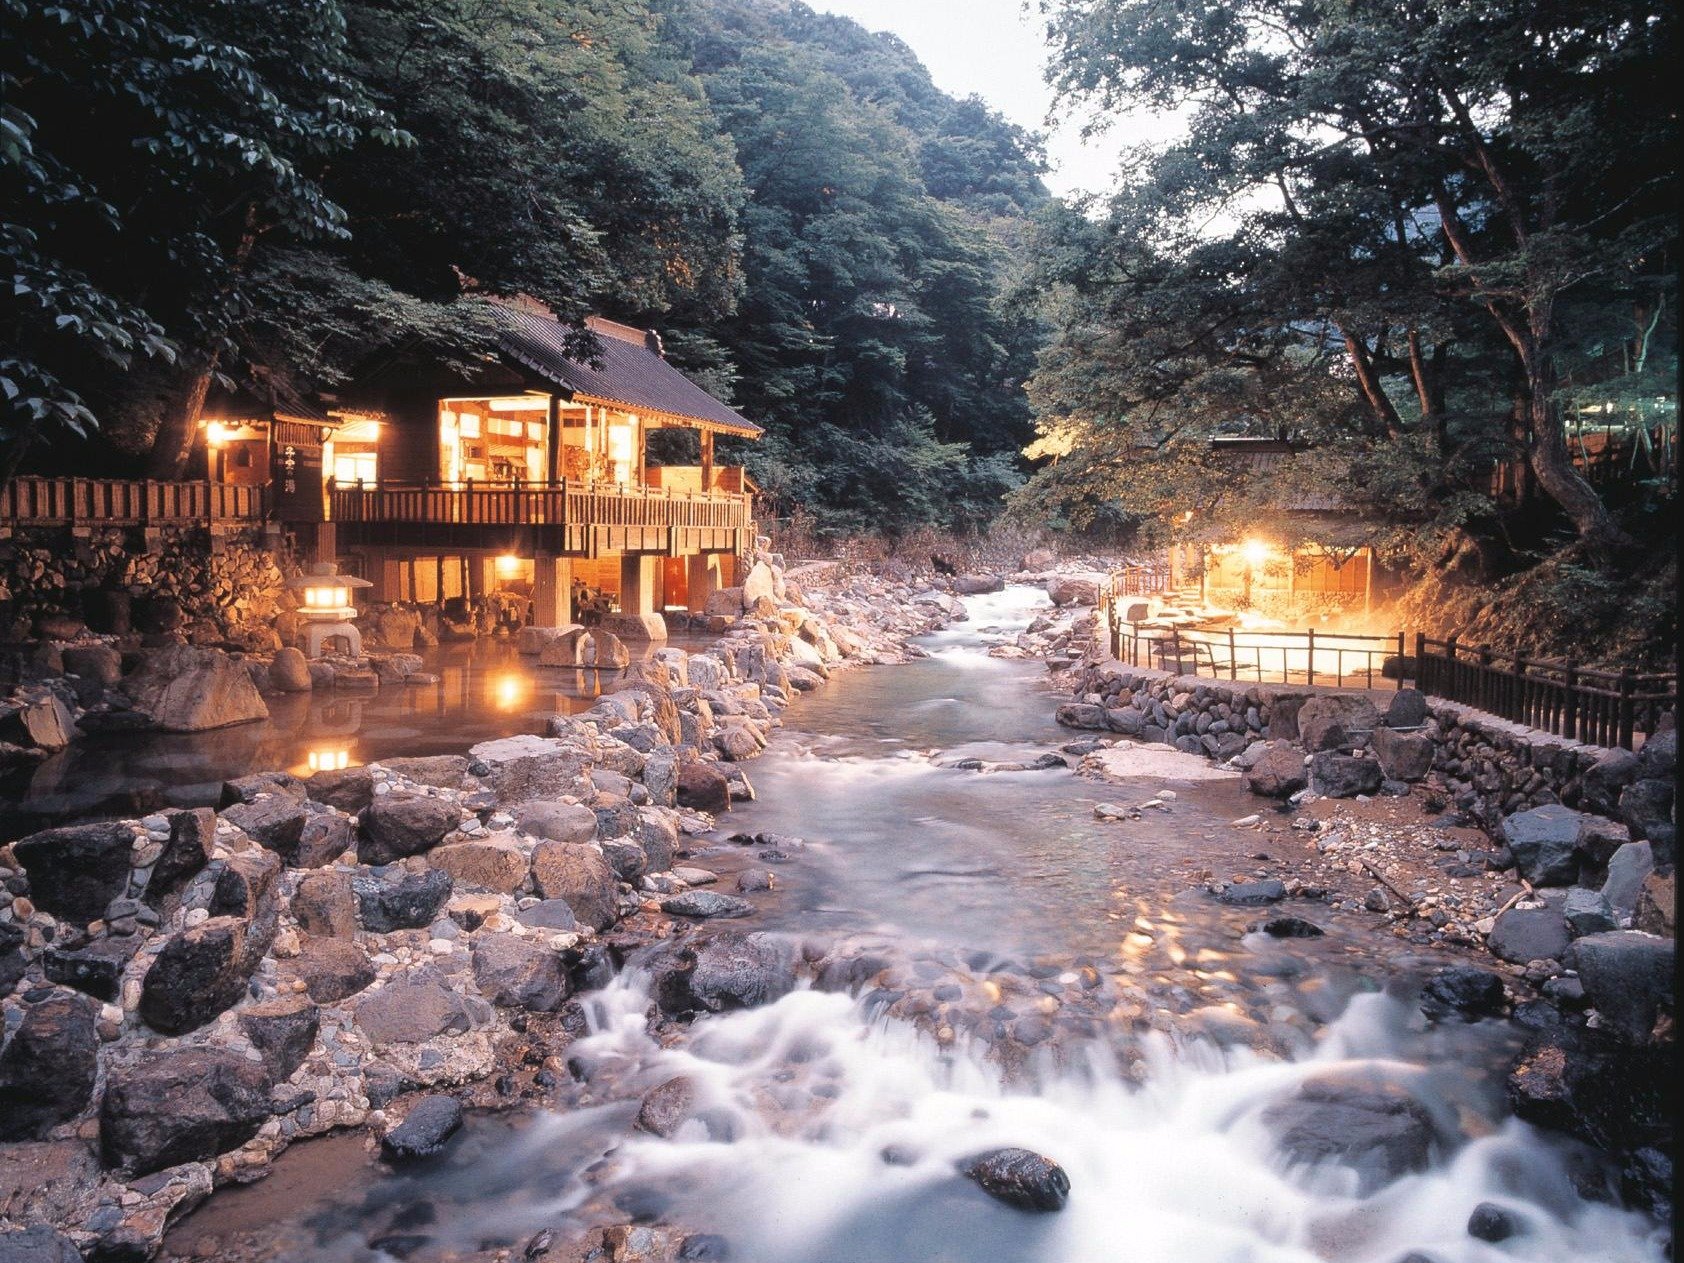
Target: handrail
point(30, 500)
point(471, 503)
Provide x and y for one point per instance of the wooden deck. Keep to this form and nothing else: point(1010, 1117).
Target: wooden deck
point(570, 518)
point(29, 501)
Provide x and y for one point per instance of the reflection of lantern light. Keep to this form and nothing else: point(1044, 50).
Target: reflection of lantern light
point(508, 566)
point(509, 691)
point(1256, 552)
point(329, 759)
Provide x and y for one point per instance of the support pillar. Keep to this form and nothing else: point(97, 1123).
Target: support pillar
point(703, 580)
point(640, 584)
point(552, 581)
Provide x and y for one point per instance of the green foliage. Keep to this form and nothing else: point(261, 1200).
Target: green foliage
point(1405, 237)
point(145, 146)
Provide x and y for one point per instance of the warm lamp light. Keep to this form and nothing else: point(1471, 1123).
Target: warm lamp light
point(329, 759)
point(508, 566)
point(1255, 551)
point(217, 434)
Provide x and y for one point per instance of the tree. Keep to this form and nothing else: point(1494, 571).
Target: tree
point(1416, 199)
point(149, 146)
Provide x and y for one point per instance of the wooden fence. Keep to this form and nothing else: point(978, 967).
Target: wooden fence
point(1307, 657)
point(31, 501)
point(1604, 708)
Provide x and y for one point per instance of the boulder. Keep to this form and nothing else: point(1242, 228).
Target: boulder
point(38, 1243)
point(1337, 775)
point(1406, 709)
point(181, 1105)
point(556, 821)
point(1330, 721)
point(1279, 773)
point(415, 1008)
point(1646, 808)
point(401, 823)
point(659, 839)
point(95, 969)
point(42, 721)
point(757, 583)
point(1490, 1222)
point(1039, 559)
point(724, 603)
point(531, 641)
point(516, 974)
point(289, 672)
point(1587, 912)
point(1468, 992)
point(349, 789)
point(666, 1107)
point(549, 914)
point(581, 876)
point(248, 789)
point(1523, 934)
point(1064, 590)
point(705, 905)
point(1019, 1177)
point(978, 584)
point(1083, 715)
point(1252, 894)
point(490, 864)
point(283, 1031)
point(1628, 979)
point(1657, 905)
point(1403, 756)
point(626, 858)
point(441, 771)
point(1658, 759)
point(200, 972)
point(1363, 1122)
point(1603, 780)
point(48, 1067)
point(703, 787)
point(425, 1129)
point(97, 662)
point(1545, 843)
point(526, 768)
point(75, 871)
point(331, 969)
point(325, 905)
point(274, 821)
point(742, 971)
point(182, 688)
point(1627, 868)
point(191, 843)
point(404, 901)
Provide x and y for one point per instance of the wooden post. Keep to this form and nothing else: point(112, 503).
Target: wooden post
point(1310, 660)
point(707, 460)
point(1521, 698)
point(1400, 662)
point(1570, 700)
point(1233, 669)
point(552, 442)
point(1626, 714)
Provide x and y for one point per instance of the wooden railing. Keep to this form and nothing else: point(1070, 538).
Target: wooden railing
point(538, 504)
point(1598, 707)
point(1307, 657)
point(1139, 580)
point(30, 501)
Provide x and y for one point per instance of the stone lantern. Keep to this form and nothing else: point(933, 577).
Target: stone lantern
point(326, 605)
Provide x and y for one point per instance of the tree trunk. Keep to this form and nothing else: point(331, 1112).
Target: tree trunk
point(1561, 481)
point(173, 444)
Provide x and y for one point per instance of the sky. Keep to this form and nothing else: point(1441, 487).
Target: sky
point(996, 50)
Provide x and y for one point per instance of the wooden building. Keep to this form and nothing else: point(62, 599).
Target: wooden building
point(529, 475)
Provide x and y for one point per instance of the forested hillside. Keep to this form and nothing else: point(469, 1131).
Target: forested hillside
point(823, 237)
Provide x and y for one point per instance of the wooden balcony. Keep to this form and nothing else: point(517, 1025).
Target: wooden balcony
point(29, 501)
point(568, 518)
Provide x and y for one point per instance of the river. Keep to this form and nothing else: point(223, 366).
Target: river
point(831, 1130)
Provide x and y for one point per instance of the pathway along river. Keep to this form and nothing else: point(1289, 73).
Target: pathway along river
point(1134, 1004)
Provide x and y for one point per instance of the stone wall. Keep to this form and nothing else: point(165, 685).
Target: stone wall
point(113, 580)
point(1491, 767)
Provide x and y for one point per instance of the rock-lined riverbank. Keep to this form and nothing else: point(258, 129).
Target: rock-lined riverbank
point(1466, 833)
point(188, 993)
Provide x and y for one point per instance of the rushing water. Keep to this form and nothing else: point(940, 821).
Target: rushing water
point(830, 1134)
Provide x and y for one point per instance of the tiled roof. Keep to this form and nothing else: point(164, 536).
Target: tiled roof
point(628, 372)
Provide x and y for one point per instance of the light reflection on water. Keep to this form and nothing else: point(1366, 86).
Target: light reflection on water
point(484, 690)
